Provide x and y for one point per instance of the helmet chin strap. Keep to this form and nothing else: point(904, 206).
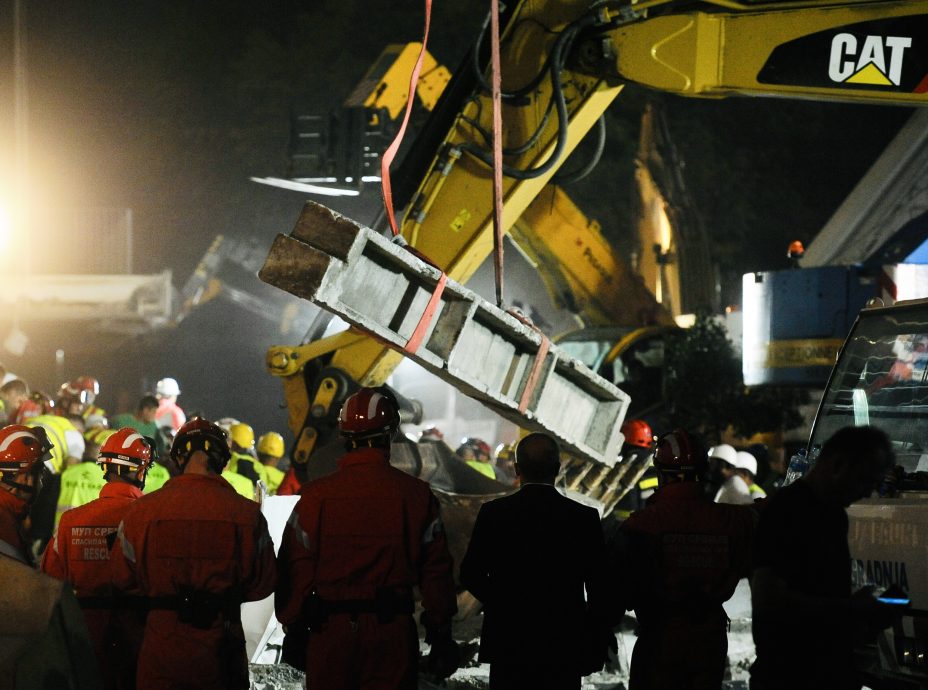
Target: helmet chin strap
point(29, 489)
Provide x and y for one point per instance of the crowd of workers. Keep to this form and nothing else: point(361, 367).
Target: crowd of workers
point(155, 582)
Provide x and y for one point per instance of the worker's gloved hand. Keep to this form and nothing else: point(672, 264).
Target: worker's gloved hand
point(445, 655)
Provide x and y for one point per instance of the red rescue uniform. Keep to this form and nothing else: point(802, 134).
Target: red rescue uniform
point(80, 554)
point(12, 512)
point(197, 550)
point(361, 538)
point(290, 486)
point(680, 559)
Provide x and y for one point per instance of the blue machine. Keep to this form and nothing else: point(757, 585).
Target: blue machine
point(795, 321)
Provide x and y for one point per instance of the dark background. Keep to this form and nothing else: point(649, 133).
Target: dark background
point(169, 107)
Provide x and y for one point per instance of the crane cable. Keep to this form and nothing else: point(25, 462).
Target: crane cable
point(497, 151)
point(387, 158)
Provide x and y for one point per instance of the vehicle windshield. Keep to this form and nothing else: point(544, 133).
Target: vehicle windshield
point(638, 370)
point(881, 379)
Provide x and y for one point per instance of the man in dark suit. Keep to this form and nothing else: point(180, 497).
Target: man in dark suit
point(530, 557)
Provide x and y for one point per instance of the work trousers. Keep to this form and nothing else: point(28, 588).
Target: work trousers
point(679, 654)
point(358, 652)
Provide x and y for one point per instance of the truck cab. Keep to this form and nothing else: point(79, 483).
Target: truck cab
point(881, 379)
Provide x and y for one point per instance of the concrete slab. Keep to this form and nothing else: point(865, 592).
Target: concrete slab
point(491, 355)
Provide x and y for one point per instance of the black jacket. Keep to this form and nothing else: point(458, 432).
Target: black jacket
point(530, 557)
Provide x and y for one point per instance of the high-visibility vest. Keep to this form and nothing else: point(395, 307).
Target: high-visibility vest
point(274, 478)
point(239, 464)
point(484, 468)
point(59, 430)
point(157, 477)
point(242, 485)
point(80, 484)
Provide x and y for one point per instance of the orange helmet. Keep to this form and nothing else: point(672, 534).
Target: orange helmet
point(201, 434)
point(22, 449)
point(795, 249)
point(678, 451)
point(369, 413)
point(638, 432)
point(127, 448)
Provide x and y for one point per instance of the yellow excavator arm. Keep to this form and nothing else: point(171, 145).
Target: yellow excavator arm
point(563, 63)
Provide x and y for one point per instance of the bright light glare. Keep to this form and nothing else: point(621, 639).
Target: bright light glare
point(304, 187)
point(6, 226)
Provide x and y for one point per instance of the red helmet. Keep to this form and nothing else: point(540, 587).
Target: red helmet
point(21, 449)
point(368, 413)
point(638, 432)
point(680, 452)
point(83, 390)
point(87, 384)
point(480, 448)
point(127, 448)
point(201, 434)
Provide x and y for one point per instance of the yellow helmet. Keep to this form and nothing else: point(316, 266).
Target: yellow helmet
point(271, 444)
point(242, 435)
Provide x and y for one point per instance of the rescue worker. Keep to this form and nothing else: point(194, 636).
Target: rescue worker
point(15, 397)
point(359, 540)
point(271, 450)
point(90, 388)
point(67, 449)
point(736, 486)
point(43, 638)
point(505, 464)
point(77, 397)
point(291, 484)
point(22, 454)
point(477, 455)
point(637, 449)
point(169, 413)
point(82, 483)
point(197, 550)
point(746, 468)
point(79, 554)
point(807, 618)
point(244, 462)
point(243, 485)
point(678, 560)
point(143, 420)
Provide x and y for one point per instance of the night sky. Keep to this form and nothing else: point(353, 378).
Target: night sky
point(169, 107)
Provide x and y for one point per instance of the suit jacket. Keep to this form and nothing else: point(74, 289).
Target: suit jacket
point(530, 558)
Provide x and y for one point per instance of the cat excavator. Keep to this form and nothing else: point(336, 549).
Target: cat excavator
point(562, 63)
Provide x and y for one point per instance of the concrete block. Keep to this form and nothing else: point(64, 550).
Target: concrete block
point(489, 354)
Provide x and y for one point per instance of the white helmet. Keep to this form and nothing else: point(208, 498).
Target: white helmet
point(746, 461)
point(165, 388)
point(725, 452)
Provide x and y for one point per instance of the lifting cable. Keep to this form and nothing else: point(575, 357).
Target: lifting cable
point(418, 335)
point(497, 151)
point(387, 158)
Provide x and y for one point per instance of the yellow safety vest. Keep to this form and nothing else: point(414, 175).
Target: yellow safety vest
point(157, 477)
point(274, 478)
point(80, 484)
point(484, 468)
point(55, 427)
point(239, 459)
point(243, 485)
